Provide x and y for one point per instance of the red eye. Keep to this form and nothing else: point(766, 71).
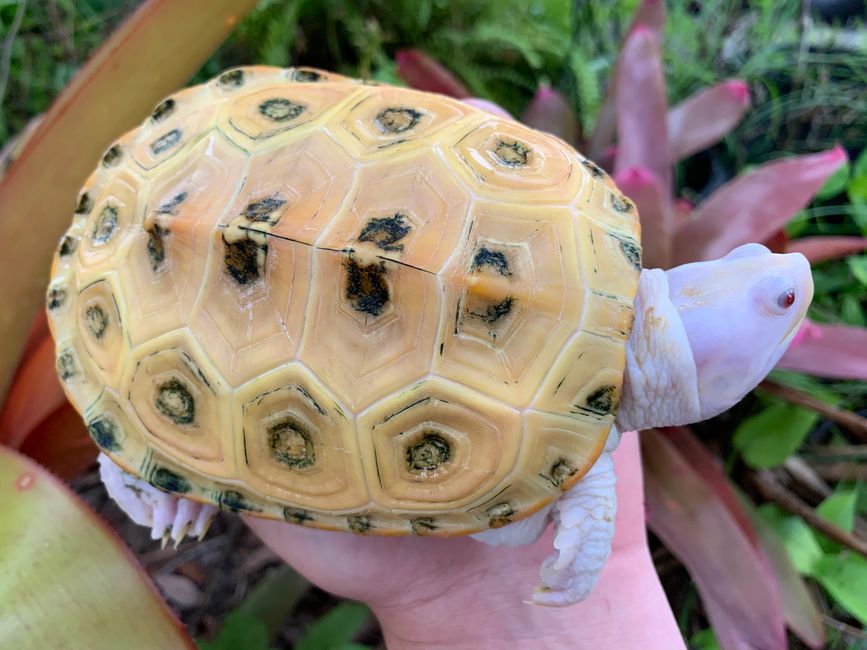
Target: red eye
point(786, 299)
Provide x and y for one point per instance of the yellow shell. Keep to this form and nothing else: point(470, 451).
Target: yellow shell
point(346, 305)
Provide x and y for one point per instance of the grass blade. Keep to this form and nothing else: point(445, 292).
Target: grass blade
point(153, 53)
point(65, 579)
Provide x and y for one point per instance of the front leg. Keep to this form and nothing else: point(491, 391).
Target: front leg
point(169, 517)
point(583, 531)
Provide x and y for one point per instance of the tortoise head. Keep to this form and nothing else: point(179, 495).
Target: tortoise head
point(740, 314)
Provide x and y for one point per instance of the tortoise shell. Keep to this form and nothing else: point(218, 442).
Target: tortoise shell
point(346, 305)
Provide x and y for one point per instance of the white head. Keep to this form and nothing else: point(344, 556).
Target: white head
point(740, 313)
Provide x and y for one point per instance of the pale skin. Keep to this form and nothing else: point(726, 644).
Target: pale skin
point(704, 335)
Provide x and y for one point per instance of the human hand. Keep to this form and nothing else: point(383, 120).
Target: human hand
point(461, 593)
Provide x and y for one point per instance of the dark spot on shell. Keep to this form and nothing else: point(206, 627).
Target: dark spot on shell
point(174, 400)
point(105, 225)
point(304, 74)
point(85, 204)
point(428, 454)
point(291, 444)
point(366, 287)
point(297, 516)
point(244, 259)
point(280, 109)
point(423, 525)
point(602, 400)
point(56, 297)
point(512, 153)
point(264, 210)
point(561, 470)
point(594, 169)
point(166, 142)
point(96, 321)
point(171, 206)
point(495, 311)
point(621, 203)
point(631, 251)
point(359, 524)
point(500, 514)
point(169, 481)
point(112, 156)
point(495, 260)
point(397, 120)
point(234, 501)
point(156, 246)
point(66, 366)
point(231, 79)
point(163, 110)
point(67, 245)
point(104, 432)
point(385, 232)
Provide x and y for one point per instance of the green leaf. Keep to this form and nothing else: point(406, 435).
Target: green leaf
point(799, 540)
point(703, 640)
point(860, 166)
point(836, 182)
point(240, 630)
point(273, 597)
point(767, 439)
point(858, 266)
point(844, 576)
point(66, 581)
point(839, 509)
point(337, 628)
point(858, 189)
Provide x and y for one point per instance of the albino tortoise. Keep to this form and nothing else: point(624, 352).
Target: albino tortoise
point(373, 309)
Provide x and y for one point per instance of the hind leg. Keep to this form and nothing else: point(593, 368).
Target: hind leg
point(168, 516)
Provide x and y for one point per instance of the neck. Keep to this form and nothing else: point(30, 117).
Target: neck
point(660, 386)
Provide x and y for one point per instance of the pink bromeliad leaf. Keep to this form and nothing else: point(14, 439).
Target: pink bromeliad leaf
point(37, 419)
point(640, 185)
point(423, 72)
point(753, 206)
point(706, 117)
point(550, 111)
point(834, 351)
point(642, 132)
point(688, 513)
point(822, 249)
point(649, 15)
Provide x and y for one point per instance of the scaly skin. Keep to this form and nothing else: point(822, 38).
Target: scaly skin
point(705, 334)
